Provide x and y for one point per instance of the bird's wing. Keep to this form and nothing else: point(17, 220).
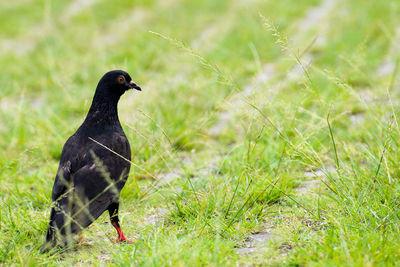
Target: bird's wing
point(62, 181)
point(77, 157)
point(68, 162)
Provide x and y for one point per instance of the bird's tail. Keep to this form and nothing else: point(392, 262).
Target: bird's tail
point(58, 234)
point(50, 241)
point(63, 226)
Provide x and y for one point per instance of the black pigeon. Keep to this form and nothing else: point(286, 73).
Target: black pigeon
point(94, 166)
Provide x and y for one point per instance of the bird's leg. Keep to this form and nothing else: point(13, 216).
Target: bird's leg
point(121, 237)
point(113, 210)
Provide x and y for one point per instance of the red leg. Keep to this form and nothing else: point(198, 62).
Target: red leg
point(121, 236)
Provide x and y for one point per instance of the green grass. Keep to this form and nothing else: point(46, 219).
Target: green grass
point(193, 60)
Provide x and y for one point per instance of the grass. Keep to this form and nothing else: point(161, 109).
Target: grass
point(198, 193)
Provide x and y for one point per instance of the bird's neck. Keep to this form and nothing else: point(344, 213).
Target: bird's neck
point(103, 112)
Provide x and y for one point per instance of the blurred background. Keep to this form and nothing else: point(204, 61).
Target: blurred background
point(256, 116)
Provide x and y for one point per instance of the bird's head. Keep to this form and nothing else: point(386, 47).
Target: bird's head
point(117, 81)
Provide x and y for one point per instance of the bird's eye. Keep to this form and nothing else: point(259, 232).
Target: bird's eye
point(121, 79)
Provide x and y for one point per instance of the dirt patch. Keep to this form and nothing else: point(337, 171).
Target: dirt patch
point(255, 242)
point(307, 186)
point(156, 217)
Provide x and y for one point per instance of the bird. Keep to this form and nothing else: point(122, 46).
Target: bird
point(94, 167)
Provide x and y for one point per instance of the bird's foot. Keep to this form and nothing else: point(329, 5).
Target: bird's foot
point(122, 239)
point(84, 243)
point(80, 238)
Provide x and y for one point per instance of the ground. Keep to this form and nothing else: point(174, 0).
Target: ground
point(266, 132)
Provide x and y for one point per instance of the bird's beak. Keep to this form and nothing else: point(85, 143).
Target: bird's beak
point(134, 86)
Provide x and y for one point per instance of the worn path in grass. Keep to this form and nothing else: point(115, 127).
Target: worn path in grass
point(315, 19)
point(267, 77)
